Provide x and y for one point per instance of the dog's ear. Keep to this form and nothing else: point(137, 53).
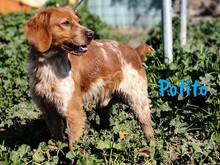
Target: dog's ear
point(38, 32)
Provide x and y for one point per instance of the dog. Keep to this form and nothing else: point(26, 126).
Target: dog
point(68, 68)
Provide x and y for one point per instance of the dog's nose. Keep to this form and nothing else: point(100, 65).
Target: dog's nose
point(90, 34)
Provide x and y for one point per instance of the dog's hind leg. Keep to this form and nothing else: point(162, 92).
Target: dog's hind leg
point(143, 114)
point(134, 89)
point(103, 109)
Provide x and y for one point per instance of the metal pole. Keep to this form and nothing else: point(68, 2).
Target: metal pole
point(167, 31)
point(183, 22)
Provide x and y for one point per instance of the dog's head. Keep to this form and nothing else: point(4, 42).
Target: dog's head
point(58, 28)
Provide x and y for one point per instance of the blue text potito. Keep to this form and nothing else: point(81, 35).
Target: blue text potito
point(183, 88)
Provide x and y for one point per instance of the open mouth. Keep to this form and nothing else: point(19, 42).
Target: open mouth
point(73, 48)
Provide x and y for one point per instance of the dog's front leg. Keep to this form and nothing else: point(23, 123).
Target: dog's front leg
point(55, 124)
point(76, 119)
point(53, 120)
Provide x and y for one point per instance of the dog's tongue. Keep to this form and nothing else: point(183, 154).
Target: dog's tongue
point(83, 48)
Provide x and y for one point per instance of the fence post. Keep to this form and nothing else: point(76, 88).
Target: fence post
point(183, 22)
point(167, 31)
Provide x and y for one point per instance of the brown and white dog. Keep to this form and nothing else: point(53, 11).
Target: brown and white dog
point(68, 68)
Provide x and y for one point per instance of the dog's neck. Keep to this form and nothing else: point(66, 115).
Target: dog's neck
point(49, 54)
point(57, 61)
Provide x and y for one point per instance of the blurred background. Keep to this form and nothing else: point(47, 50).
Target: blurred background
point(124, 14)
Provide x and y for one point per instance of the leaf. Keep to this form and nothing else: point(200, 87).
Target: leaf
point(152, 149)
point(73, 154)
point(55, 159)
point(121, 145)
point(70, 155)
point(104, 145)
point(14, 157)
point(216, 136)
point(205, 80)
point(23, 150)
point(196, 148)
point(38, 157)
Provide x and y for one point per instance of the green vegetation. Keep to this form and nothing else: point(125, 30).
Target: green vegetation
point(187, 129)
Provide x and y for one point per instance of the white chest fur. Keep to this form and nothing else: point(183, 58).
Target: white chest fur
point(52, 81)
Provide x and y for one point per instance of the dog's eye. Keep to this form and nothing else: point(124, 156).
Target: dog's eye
point(66, 23)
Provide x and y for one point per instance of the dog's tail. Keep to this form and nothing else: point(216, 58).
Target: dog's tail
point(143, 50)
